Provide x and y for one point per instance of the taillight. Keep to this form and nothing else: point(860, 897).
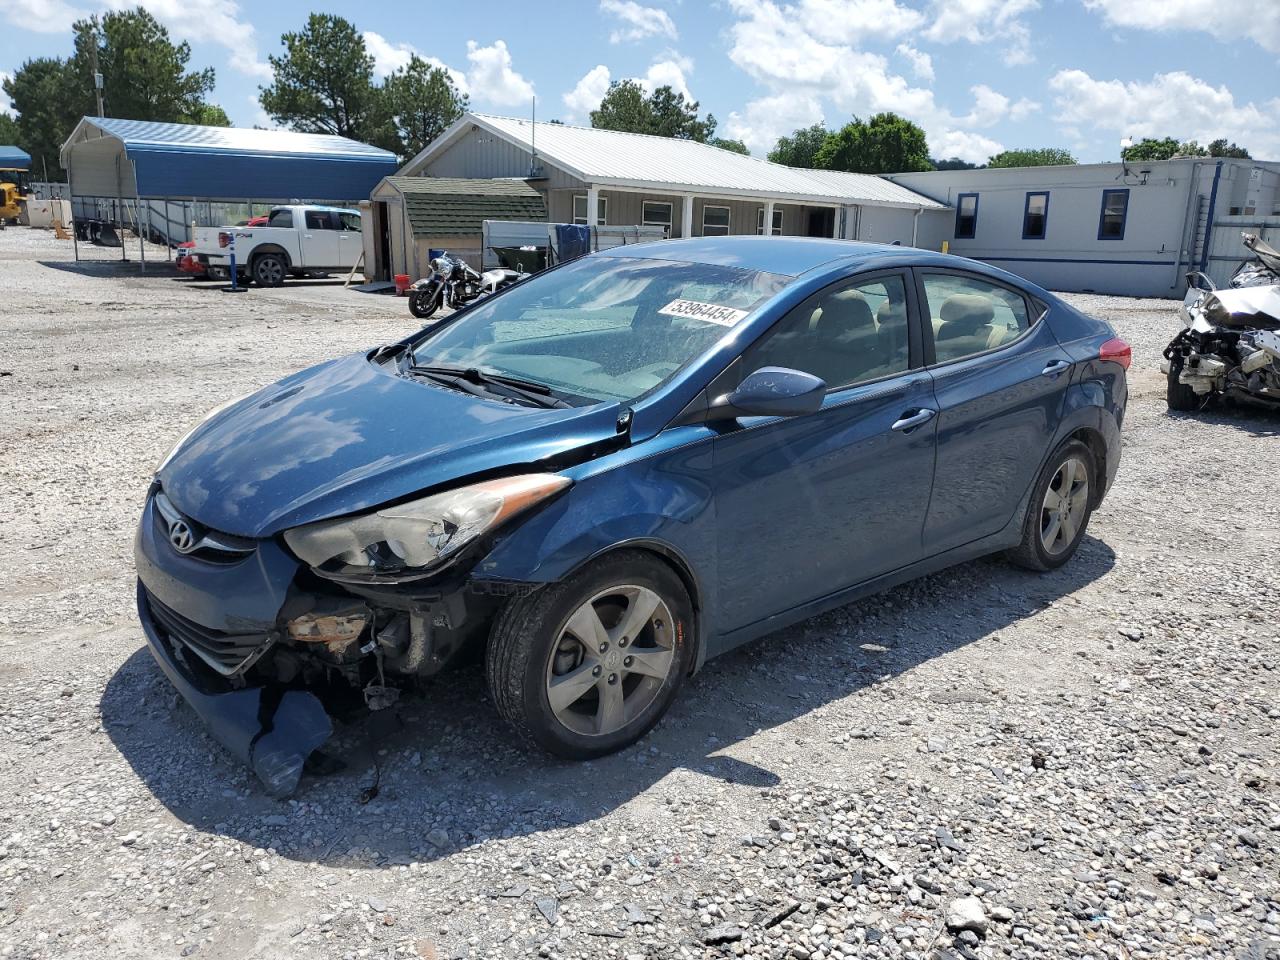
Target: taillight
point(224, 239)
point(1117, 351)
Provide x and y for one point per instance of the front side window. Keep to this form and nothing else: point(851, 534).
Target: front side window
point(971, 316)
point(602, 328)
point(715, 221)
point(777, 222)
point(580, 210)
point(1035, 216)
point(966, 216)
point(349, 221)
point(1115, 211)
point(281, 218)
point(846, 334)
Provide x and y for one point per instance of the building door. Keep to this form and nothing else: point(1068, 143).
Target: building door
point(821, 222)
point(382, 240)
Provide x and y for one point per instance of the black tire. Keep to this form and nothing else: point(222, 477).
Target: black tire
point(1179, 396)
point(269, 269)
point(1032, 553)
point(528, 634)
point(424, 303)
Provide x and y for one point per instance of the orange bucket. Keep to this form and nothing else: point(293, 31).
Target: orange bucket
point(402, 284)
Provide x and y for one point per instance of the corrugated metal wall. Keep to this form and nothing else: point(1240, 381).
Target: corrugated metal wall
point(479, 154)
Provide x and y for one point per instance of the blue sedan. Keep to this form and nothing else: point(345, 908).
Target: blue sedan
point(602, 476)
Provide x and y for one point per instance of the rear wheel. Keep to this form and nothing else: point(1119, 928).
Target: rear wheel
point(1179, 396)
point(586, 667)
point(269, 270)
point(1060, 507)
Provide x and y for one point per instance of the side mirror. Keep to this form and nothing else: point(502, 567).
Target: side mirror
point(771, 392)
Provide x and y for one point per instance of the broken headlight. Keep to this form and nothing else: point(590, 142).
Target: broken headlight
point(407, 540)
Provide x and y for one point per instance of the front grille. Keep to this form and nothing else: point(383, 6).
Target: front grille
point(200, 542)
point(227, 653)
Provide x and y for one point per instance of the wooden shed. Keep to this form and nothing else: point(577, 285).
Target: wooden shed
point(410, 216)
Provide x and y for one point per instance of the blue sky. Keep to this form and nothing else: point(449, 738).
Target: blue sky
point(978, 75)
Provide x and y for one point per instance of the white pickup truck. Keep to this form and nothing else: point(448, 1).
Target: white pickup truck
point(296, 241)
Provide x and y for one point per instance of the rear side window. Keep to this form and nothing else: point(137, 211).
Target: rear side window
point(280, 218)
point(971, 316)
point(846, 334)
point(319, 220)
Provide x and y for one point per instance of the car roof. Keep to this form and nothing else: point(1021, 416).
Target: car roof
point(794, 256)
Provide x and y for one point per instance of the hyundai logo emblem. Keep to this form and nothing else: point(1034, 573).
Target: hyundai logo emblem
point(181, 536)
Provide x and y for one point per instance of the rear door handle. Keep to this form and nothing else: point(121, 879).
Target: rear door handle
point(910, 421)
point(1055, 368)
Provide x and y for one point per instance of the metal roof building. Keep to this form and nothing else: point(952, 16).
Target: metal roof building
point(14, 158)
point(140, 159)
point(689, 188)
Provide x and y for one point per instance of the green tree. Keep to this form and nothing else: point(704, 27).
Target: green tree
point(324, 84)
point(887, 143)
point(8, 129)
point(211, 115)
point(663, 113)
point(801, 148)
point(953, 163)
point(144, 74)
point(423, 101)
point(1220, 148)
point(1032, 157)
point(49, 101)
point(737, 146)
point(1165, 148)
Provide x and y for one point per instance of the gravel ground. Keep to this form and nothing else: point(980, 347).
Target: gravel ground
point(982, 763)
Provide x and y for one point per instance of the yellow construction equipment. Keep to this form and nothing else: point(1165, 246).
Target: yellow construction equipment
point(11, 200)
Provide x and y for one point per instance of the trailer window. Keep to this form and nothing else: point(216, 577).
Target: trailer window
point(1115, 211)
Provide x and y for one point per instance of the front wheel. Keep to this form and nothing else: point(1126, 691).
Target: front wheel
point(1060, 507)
point(1179, 396)
point(423, 303)
point(587, 666)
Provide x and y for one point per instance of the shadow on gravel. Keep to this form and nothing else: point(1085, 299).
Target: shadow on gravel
point(451, 777)
point(1259, 421)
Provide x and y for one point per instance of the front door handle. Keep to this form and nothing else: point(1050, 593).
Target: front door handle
point(1055, 368)
point(909, 421)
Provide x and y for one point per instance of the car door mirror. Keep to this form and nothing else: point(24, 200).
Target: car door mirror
point(771, 392)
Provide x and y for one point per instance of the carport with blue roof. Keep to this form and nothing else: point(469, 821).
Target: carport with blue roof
point(157, 178)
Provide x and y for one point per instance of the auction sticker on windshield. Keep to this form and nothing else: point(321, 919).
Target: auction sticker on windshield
point(710, 312)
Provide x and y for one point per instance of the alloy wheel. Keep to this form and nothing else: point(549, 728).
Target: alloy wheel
point(1066, 502)
point(612, 658)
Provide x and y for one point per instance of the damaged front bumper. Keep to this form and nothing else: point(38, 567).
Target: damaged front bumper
point(270, 728)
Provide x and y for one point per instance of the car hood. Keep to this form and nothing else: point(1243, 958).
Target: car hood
point(349, 435)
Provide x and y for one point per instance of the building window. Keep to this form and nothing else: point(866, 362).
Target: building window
point(715, 221)
point(966, 216)
point(1115, 210)
point(777, 222)
point(656, 213)
point(580, 209)
point(1035, 216)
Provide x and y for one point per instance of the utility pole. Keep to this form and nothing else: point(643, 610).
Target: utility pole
point(97, 76)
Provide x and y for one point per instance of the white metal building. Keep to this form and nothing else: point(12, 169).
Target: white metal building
point(691, 189)
point(1134, 229)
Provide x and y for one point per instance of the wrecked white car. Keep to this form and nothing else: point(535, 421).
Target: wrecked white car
point(1230, 347)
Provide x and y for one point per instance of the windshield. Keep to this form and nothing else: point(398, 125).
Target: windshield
point(602, 328)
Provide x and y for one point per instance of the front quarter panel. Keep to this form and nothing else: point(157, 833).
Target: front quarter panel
point(656, 494)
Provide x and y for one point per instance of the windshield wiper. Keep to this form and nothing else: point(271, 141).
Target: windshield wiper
point(537, 394)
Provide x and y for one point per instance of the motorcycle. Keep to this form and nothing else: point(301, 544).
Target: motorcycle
point(1230, 345)
point(453, 283)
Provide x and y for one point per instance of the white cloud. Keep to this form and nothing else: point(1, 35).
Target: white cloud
point(1024, 108)
point(1256, 20)
point(6, 105)
point(588, 92)
point(984, 21)
point(670, 72)
point(638, 22)
point(763, 121)
point(40, 16)
point(1170, 104)
point(772, 47)
point(851, 21)
point(205, 21)
point(389, 57)
point(491, 78)
point(921, 62)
